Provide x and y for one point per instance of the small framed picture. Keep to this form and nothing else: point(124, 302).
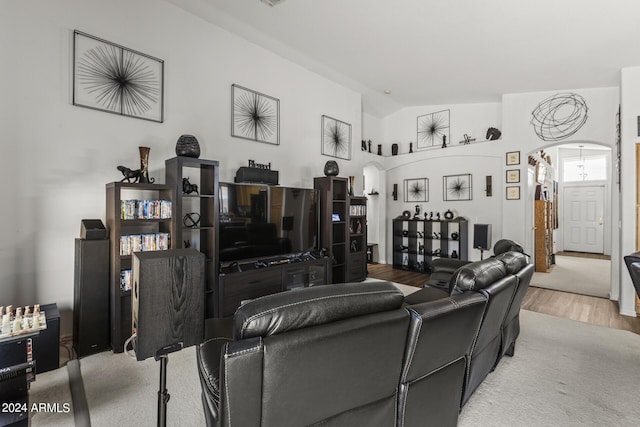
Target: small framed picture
point(513, 192)
point(513, 176)
point(335, 217)
point(513, 158)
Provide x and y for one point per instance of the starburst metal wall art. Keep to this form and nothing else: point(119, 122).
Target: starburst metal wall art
point(109, 77)
point(255, 116)
point(416, 190)
point(432, 128)
point(336, 138)
point(457, 187)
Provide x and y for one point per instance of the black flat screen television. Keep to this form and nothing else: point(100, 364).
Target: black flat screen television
point(259, 221)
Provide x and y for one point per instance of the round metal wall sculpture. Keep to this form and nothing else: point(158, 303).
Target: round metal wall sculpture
point(559, 116)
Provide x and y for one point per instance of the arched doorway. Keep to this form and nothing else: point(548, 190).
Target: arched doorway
point(375, 189)
point(581, 199)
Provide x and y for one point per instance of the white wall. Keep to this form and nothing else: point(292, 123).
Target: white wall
point(57, 157)
point(630, 102)
point(481, 159)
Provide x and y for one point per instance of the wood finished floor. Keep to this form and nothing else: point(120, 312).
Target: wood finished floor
point(583, 308)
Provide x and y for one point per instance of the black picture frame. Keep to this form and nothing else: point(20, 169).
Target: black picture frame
point(336, 138)
point(254, 115)
point(457, 187)
point(512, 158)
point(513, 192)
point(431, 128)
point(115, 79)
point(512, 176)
point(416, 190)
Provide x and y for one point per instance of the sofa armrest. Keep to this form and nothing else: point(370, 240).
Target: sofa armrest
point(208, 356)
point(446, 265)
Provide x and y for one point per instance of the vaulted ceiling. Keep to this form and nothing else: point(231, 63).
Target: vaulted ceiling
point(441, 52)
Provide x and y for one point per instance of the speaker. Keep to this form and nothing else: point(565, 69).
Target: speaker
point(167, 301)
point(482, 236)
point(256, 175)
point(91, 297)
point(92, 229)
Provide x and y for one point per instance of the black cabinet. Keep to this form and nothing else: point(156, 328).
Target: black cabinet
point(357, 260)
point(417, 242)
point(248, 282)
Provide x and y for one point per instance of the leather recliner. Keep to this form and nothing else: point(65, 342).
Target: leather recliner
point(441, 336)
point(341, 355)
point(326, 354)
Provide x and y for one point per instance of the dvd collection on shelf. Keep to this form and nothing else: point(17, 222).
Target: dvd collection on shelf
point(357, 210)
point(144, 243)
point(145, 209)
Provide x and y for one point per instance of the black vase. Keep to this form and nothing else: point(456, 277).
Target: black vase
point(331, 168)
point(394, 149)
point(379, 149)
point(187, 146)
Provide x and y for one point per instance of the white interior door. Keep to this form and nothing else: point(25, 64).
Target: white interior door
point(584, 219)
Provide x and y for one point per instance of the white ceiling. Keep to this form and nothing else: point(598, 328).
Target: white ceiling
point(444, 52)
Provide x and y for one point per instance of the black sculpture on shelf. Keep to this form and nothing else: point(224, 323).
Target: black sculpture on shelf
point(191, 219)
point(363, 145)
point(129, 174)
point(331, 168)
point(493, 134)
point(188, 188)
point(188, 146)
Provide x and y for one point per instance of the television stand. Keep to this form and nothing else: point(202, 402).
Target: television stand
point(248, 279)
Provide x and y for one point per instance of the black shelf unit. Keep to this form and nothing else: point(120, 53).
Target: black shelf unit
point(357, 260)
point(203, 236)
point(416, 242)
point(120, 301)
point(334, 232)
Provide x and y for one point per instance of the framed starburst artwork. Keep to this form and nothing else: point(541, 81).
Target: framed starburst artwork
point(433, 129)
point(416, 190)
point(336, 138)
point(457, 187)
point(255, 116)
point(112, 78)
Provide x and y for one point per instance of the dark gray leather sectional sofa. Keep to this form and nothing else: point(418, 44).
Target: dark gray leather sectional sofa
point(358, 354)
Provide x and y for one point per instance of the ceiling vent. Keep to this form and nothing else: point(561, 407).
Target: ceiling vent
point(272, 2)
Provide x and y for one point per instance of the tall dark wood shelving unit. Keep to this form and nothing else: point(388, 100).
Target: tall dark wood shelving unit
point(416, 242)
point(202, 236)
point(333, 223)
point(357, 260)
point(120, 301)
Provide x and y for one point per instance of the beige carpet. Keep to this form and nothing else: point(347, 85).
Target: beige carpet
point(564, 373)
point(583, 276)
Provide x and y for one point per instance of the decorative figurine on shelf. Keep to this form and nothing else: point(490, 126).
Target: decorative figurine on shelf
point(331, 168)
point(369, 145)
point(437, 216)
point(444, 141)
point(454, 254)
point(405, 233)
point(454, 236)
point(394, 149)
point(188, 188)
point(354, 246)
point(448, 215)
point(358, 226)
point(129, 174)
point(467, 140)
point(191, 219)
point(411, 147)
point(379, 149)
point(352, 180)
point(187, 244)
point(420, 249)
point(417, 214)
point(363, 145)
point(187, 146)
point(493, 134)
point(144, 166)
point(419, 233)
point(430, 216)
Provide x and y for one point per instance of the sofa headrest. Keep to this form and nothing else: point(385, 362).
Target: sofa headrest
point(284, 311)
point(506, 245)
point(478, 275)
point(513, 261)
